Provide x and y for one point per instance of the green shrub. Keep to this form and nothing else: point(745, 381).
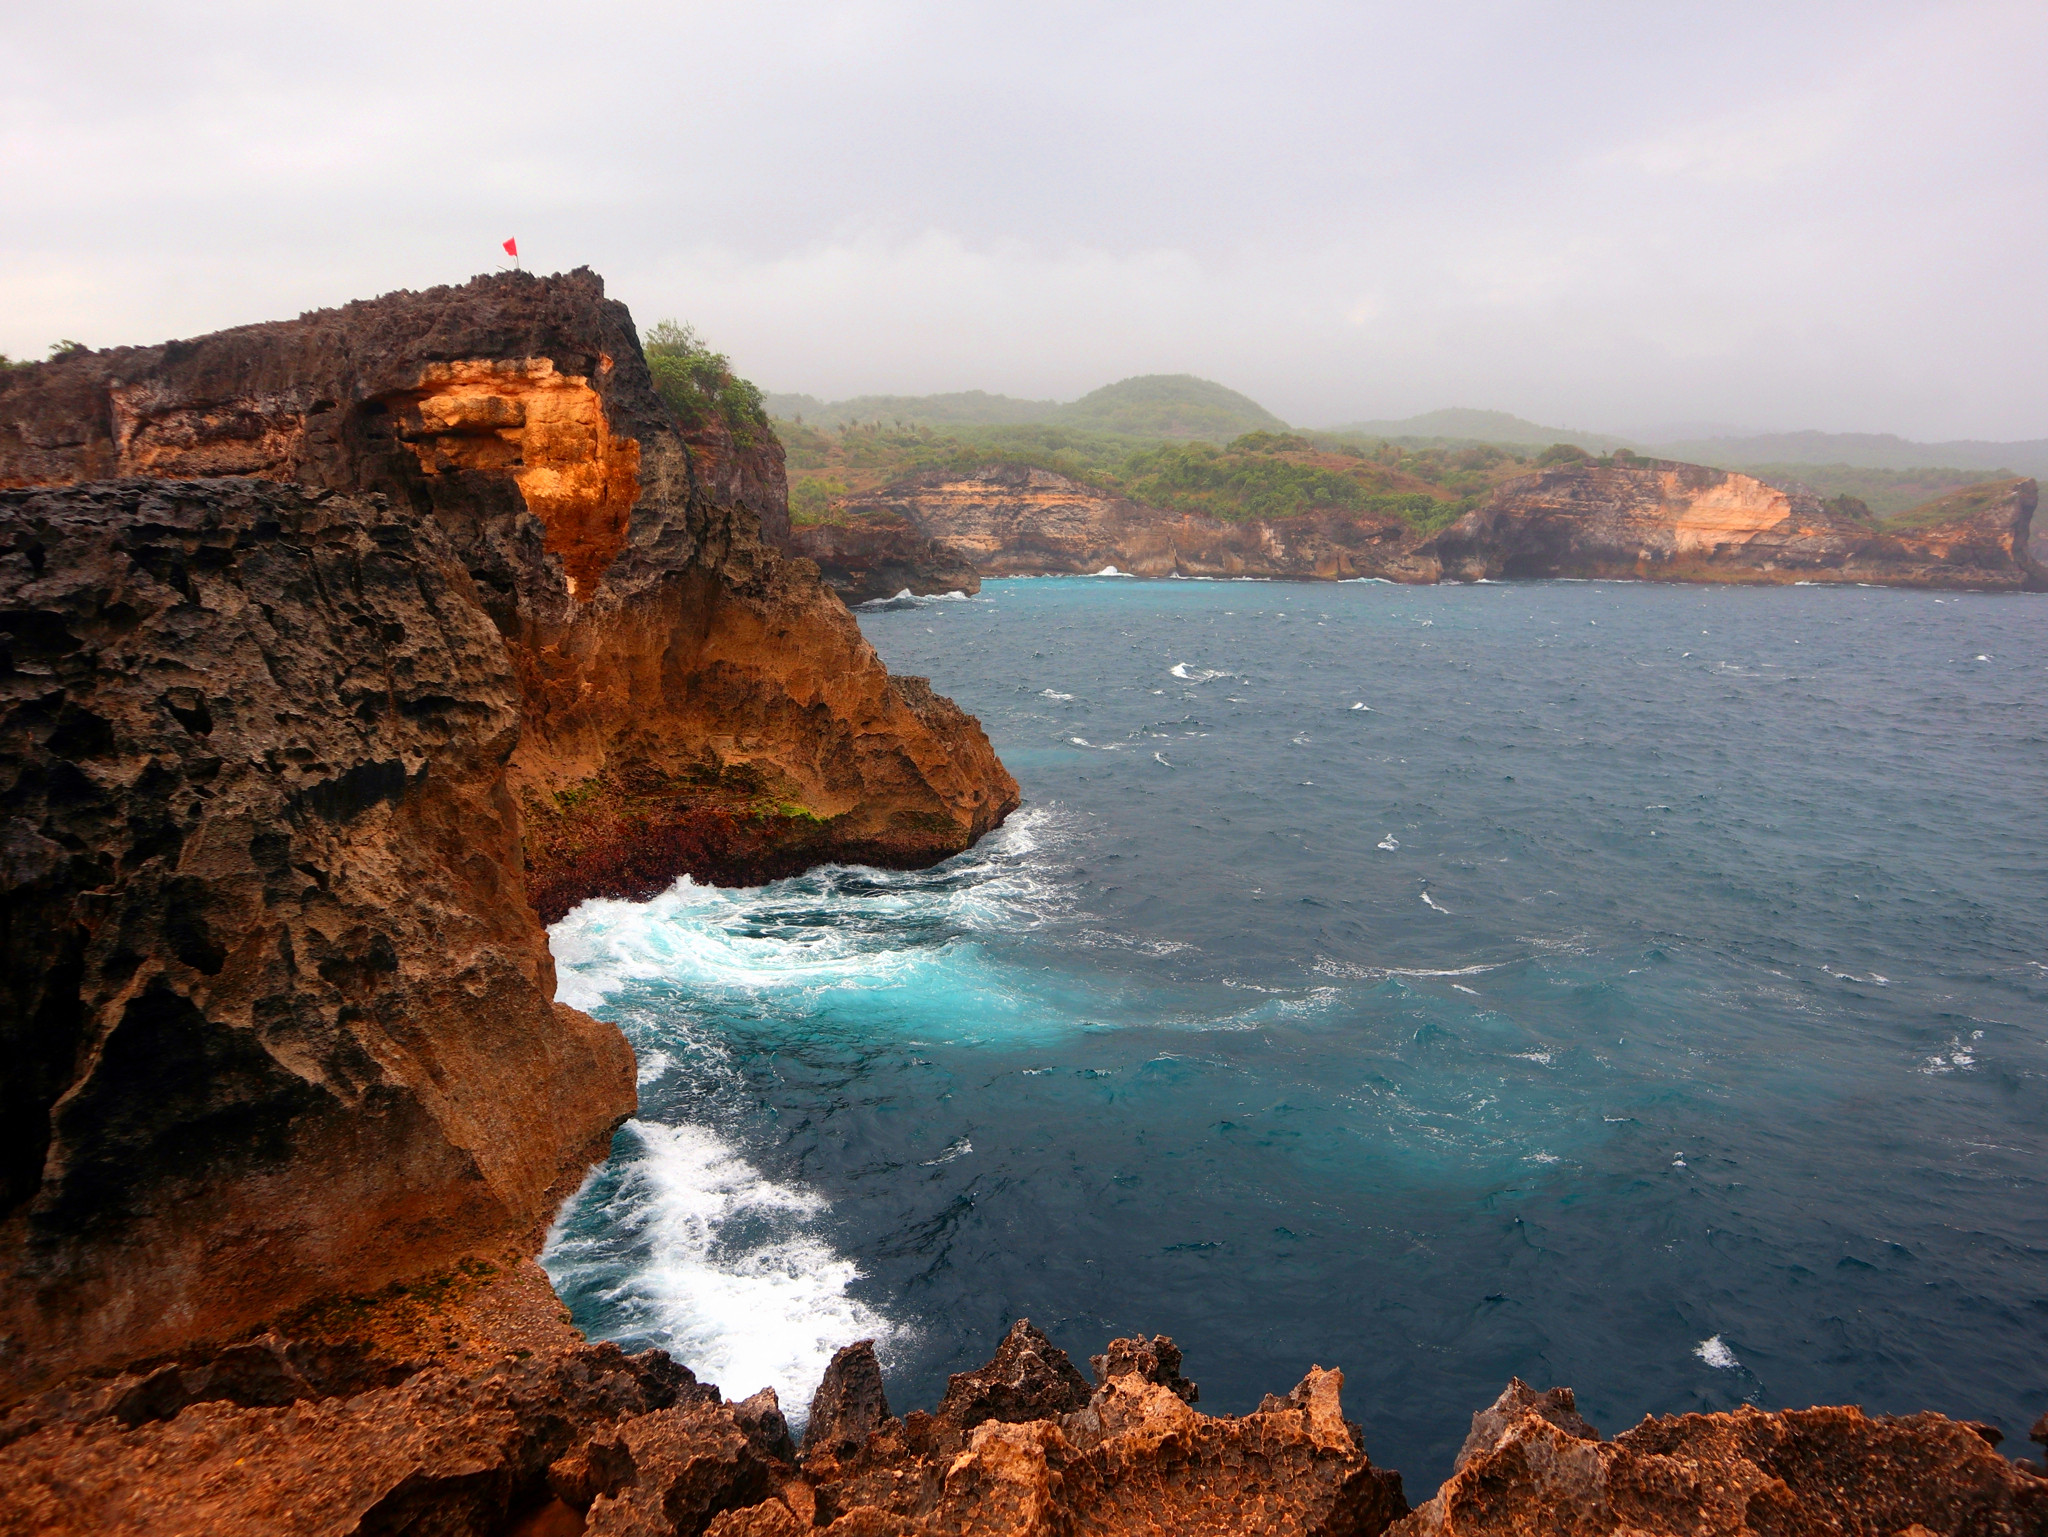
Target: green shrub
point(699, 384)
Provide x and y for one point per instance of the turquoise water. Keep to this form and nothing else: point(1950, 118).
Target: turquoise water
point(1639, 988)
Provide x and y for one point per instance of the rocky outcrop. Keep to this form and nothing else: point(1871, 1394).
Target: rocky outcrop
point(1656, 521)
point(1027, 1445)
point(1641, 520)
point(278, 1016)
point(1533, 1466)
point(879, 555)
point(691, 701)
point(1008, 520)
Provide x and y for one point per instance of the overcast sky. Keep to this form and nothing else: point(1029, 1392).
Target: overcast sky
point(1604, 216)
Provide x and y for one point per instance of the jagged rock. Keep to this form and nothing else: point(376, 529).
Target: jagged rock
point(1156, 1360)
point(849, 1404)
point(760, 1416)
point(1133, 1456)
point(278, 1019)
point(692, 701)
point(690, 1463)
point(1030, 1378)
point(1660, 521)
point(880, 555)
point(1804, 1471)
point(1557, 1405)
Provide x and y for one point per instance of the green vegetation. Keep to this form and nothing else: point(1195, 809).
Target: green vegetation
point(699, 384)
point(1150, 406)
point(1959, 504)
point(1883, 493)
point(1258, 474)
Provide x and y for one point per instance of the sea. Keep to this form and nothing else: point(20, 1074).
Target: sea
point(1633, 987)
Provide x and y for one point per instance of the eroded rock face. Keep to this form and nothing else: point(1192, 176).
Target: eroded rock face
point(1532, 1465)
point(1658, 521)
point(1006, 520)
point(881, 555)
point(278, 1017)
point(692, 701)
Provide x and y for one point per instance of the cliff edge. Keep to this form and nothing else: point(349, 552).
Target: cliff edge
point(691, 700)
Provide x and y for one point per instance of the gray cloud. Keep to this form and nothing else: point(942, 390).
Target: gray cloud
point(1606, 215)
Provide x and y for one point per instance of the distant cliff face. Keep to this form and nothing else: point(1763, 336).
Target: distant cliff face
point(277, 1015)
point(1680, 522)
point(691, 701)
point(1650, 521)
point(1007, 520)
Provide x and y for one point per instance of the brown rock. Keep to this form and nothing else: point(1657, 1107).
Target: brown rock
point(871, 557)
point(1819, 1471)
point(692, 701)
point(279, 1020)
point(849, 1404)
point(1030, 1378)
point(1007, 520)
point(1156, 1360)
point(1657, 521)
point(1557, 1405)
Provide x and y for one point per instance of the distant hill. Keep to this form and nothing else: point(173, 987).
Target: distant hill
point(1461, 425)
point(1169, 406)
point(1149, 406)
point(1866, 450)
point(964, 408)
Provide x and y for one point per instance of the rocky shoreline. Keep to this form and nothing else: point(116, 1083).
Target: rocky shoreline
point(340, 654)
point(1639, 520)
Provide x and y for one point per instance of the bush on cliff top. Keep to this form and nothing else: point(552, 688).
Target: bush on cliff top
point(700, 386)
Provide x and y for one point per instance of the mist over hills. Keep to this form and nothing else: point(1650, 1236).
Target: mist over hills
point(1147, 406)
point(1184, 407)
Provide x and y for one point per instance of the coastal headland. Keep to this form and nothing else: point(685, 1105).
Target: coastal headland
point(342, 654)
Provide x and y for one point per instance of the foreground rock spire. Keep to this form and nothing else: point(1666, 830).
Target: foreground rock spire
point(339, 655)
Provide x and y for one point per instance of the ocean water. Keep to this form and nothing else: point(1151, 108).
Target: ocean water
point(1632, 987)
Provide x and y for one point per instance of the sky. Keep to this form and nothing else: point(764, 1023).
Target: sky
point(1604, 216)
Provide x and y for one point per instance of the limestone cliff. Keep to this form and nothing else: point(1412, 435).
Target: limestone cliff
point(277, 1015)
point(1645, 520)
point(1658, 521)
point(691, 700)
point(1008, 520)
point(879, 554)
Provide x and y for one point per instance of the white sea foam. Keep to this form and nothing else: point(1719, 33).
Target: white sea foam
point(763, 1310)
point(1715, 1352)
point(1200, 675)
point(1390, 843)
point(1112, 571)
point(959, 1148)
point(1432, 902)
point(1362, 705)
point(1053, 693)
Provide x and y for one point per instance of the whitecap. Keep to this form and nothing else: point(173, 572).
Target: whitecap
point(1160, 759)
point(1111, 571)
point(1715, 1352)
point(735, 1281)
point(1051, 693)
point(1362, 705)
point(958, 1148)
point(1390, 842)
point(1432, 901)
point(1201, 675)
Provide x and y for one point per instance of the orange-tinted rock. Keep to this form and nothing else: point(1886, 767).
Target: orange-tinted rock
point(279, 1019)
point(1658, 521)
point(1130, 1457)
point(1823, 1472)
point(693, 701)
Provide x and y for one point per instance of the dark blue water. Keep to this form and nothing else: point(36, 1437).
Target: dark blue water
point(1646, 990)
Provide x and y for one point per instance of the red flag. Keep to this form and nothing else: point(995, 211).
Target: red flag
point(512, 249)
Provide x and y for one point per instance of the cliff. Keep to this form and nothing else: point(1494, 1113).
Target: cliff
point(691, 701)
point(1645, 520)
point(1009, 520)
point(878, 555)
point(1658, 521)
point(278, 1016)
